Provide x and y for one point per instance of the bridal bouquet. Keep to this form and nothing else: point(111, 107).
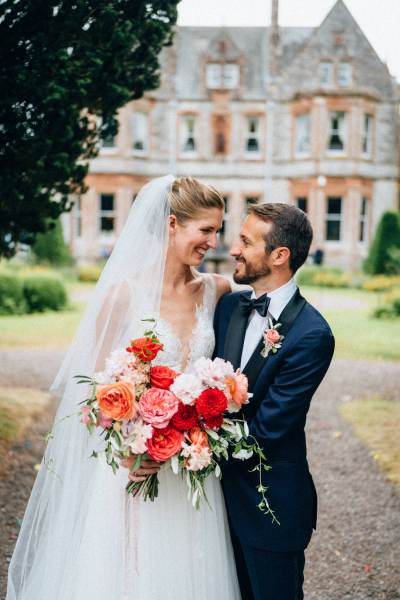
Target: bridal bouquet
point(184, 418)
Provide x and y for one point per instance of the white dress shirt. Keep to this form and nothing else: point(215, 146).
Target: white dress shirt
point(258, 324)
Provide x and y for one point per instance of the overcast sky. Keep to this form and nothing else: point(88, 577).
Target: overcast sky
point(379, 19)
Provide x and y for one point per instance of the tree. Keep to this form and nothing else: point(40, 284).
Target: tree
point(387, 239)
point(50, 246)
point(66, 67)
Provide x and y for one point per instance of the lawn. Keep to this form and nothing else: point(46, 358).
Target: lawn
point(376, 423)
point(357, 334)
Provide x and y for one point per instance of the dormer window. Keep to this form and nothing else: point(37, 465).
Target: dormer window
point(222, 76)
point(344, 74)
point(326, 73)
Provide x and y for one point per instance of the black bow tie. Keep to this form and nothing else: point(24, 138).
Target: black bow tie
point(247, 305)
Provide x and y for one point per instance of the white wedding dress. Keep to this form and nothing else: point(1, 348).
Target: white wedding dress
point(171, 550)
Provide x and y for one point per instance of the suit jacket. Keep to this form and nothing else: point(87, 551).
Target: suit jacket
point(282, 385)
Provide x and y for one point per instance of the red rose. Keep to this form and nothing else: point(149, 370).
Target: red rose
point(164, 443)
point(211, 403)
point(185, 418)
point(162, 377)
point(213, 422)
point(145, 348)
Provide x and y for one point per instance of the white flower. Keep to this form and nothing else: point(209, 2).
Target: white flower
point(243, 454)
point(198, 457)
point(187, 388)
point(101, 377)
point(123, 366)
point(135, 434)
point(213, 373)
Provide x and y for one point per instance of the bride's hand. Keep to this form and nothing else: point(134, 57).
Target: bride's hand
point(147, 467)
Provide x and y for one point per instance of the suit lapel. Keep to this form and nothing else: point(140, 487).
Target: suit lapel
point(235, 336)
point(287, 318)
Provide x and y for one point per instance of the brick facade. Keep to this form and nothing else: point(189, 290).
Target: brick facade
point(279, 114)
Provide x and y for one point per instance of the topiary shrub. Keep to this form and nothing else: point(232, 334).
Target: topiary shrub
point(49, 247)
point(44, 293)
point(12, 299)
point(387, 239)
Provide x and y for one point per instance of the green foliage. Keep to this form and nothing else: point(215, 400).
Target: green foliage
point(44, 293)
point(391, 306)
point(64, 64)
point(89, 273)
point(12, 299)
point(382, 253)
point(323, 277)
point(50, 246)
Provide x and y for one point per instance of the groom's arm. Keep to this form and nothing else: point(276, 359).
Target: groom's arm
point(288, 398)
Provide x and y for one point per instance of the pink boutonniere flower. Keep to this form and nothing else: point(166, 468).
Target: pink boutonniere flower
point(272, 339)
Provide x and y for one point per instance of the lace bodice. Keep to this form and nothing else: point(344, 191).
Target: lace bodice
point(202, 339)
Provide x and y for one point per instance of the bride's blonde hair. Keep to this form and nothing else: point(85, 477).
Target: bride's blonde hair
point(188, 196)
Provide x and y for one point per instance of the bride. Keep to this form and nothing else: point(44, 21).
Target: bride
point(83, 537)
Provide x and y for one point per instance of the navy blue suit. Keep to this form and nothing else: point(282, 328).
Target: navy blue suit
point(282, 385)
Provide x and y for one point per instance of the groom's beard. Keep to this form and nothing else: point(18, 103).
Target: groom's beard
point(250, 273)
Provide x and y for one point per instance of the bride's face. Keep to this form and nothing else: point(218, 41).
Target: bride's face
point(190, 240)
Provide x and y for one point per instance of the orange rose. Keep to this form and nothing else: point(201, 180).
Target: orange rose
point(162, 377)
point(117, 400)
point(198, 437)
point(145, 348)
point(165, 443)
point(237, 387)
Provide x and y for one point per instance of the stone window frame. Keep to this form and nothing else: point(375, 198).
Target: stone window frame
point(225, 116)
point(364, 219)
point(181, 116)
point(145, 152)
point(297, 153)
point(105, 149)
point(227, 219)
point(331, 63)
point(347, 63)
point(306, 199)
point(222, 64)
point(261, 135)
point(333, 152)
point(371, 134)
point(110, 214)
point(333, 217)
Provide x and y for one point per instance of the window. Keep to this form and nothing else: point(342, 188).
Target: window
point(367, 135)
point(222, 233)
point(107, 141)
point(188, 140)
point(251, 200)
point(140, 132)
point(333, 218)
point(107, 214)
point(303, 137)
point(337, 134)
point(363, 230)
point(253, 135)
point(344, 74)
point(301, 203)
point(326, 73)
point(222, 76)
point(78, 217)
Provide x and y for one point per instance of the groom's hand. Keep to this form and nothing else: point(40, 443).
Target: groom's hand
point(147, 467)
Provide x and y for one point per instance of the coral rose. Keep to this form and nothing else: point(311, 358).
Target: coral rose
point(198, 437)
point(272, 336)
point(165, 443)
point(185, 418)
point(146, 349)
point(158, 406)
point(237, 387)
point(211, 402)
point(162, 377)
point(117, 400)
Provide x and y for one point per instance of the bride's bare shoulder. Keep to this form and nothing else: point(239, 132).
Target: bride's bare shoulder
point(223, 285)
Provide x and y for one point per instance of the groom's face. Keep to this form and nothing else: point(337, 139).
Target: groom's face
point(252, 261)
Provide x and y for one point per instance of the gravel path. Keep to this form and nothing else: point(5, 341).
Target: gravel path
point(354, 553)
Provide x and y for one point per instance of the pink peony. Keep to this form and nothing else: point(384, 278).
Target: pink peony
point(272, 336)
point(103, 421)
point(85, 415)
point(157, 407)
point(213, 373)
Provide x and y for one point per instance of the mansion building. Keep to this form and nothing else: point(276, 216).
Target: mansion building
point(302, 115)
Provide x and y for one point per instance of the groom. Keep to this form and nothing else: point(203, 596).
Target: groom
point(274, 242)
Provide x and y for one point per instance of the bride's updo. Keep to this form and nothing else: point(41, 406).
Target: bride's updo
point(188, 196)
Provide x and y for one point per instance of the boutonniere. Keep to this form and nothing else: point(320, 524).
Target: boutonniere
point(272, 339)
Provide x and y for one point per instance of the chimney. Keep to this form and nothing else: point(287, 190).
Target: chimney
point(274, 39)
